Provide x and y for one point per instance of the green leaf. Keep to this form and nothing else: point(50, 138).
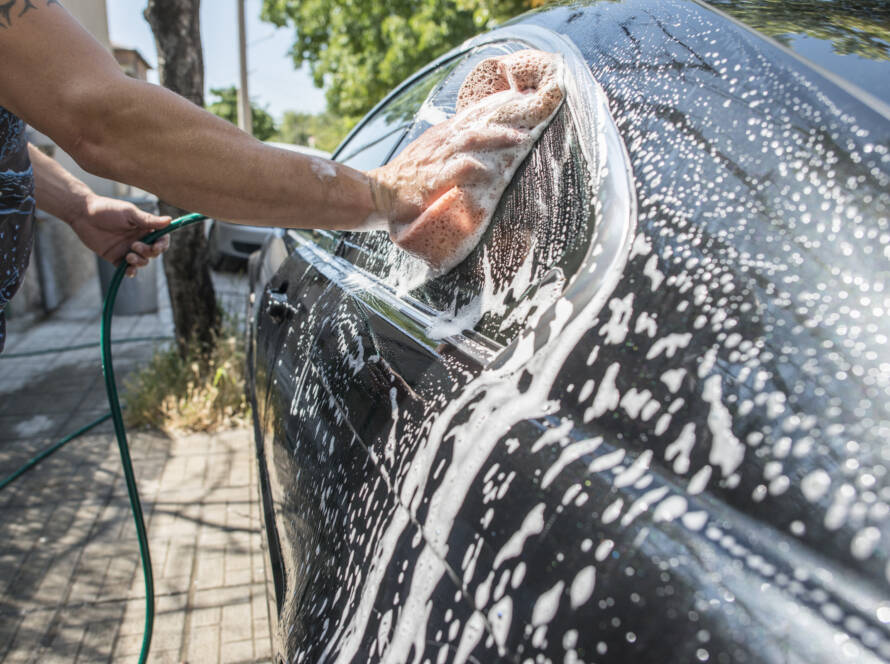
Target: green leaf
point(360, 49)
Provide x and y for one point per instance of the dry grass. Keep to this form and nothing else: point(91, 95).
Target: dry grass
point(199, 392)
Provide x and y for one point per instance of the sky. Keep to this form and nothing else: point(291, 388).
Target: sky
point(272, 80)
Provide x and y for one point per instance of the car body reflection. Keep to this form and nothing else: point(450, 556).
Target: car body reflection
point(645, 420)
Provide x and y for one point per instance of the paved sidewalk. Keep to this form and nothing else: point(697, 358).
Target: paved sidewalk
point(71, 586)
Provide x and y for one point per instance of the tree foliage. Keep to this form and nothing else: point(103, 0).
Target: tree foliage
point(860, 27)
point(320, 130)
point(226, 107)
point(360, 49)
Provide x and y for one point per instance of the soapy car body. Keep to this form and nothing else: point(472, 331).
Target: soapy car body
point(645, 420)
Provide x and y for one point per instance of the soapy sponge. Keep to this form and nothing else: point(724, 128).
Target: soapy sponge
point(465, 164)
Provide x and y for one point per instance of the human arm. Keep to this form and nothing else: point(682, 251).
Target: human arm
point(62, 82)
point(109, 227)
point(65, 84)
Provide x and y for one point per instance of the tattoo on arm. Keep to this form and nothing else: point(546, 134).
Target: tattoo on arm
point(7, 8)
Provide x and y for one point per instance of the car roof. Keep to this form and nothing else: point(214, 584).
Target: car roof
point(849, 41)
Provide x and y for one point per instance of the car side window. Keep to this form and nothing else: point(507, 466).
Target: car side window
point(375, 140)
point(539, 234)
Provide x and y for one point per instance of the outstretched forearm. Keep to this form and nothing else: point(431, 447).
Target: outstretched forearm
point(57, 191)
point(158, 141)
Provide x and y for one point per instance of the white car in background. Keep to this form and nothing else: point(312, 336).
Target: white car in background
point(230, 245)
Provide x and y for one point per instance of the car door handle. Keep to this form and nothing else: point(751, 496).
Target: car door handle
point(277, 307)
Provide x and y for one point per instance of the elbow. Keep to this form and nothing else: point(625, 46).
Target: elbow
point(93, 154)
point(94, 130)
point(93, 150)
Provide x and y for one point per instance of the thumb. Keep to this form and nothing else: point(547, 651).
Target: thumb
point(149, 222)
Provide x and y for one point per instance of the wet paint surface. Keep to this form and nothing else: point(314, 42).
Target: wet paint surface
point(674, 452)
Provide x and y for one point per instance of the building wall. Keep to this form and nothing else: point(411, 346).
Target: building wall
point(132, 63)
point(93, 15)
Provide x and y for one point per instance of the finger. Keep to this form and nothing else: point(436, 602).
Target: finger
point(490, 138)
point(136, 260)
point(465, 170)
point(457, 172)
point(141, 249)
point(161, 246)
point(151, 250)
point(130, 272)
point(148, 222)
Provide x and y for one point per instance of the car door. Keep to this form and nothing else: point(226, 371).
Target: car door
point(367, 358)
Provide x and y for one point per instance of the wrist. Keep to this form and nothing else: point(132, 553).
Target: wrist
point(381, 199)
point(389, 202)
point(79, 206)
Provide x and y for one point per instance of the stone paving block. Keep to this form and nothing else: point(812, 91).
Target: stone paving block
point(258, 599)
point(263, 650)
point(66, 644)
point(236, 621)
point(131, 625)
point(167, 639)
point(179, 559)
point(128, 645)
point(211, 573)
point(241, 577)
point(261, 631)
point(239, 651)
point(174, 602)
point(9, 625)
point(171, 585)
point(205, 617)
point(97, 642)
point(237, 558)
point(15, 428)
point(165, 656)
point(203, 645)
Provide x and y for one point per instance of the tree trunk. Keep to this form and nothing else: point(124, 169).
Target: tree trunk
point(176, 28)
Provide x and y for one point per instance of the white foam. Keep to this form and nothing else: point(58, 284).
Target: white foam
point(569, 454)
point(545, 608)
point(582, 586)
point(726, 450)
point(323, 169)
point(815, 485)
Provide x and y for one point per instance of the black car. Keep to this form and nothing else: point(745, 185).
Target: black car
point(647, 419)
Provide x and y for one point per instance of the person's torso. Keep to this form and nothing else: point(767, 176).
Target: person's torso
point(16, 208)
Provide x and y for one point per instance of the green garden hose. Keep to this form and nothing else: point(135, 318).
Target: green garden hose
point(120, 432)
point(49, 451)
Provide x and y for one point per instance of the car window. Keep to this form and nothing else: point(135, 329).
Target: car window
point(375, 140)
point(538, 236)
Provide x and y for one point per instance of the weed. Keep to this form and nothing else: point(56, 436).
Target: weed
point(197, 392)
